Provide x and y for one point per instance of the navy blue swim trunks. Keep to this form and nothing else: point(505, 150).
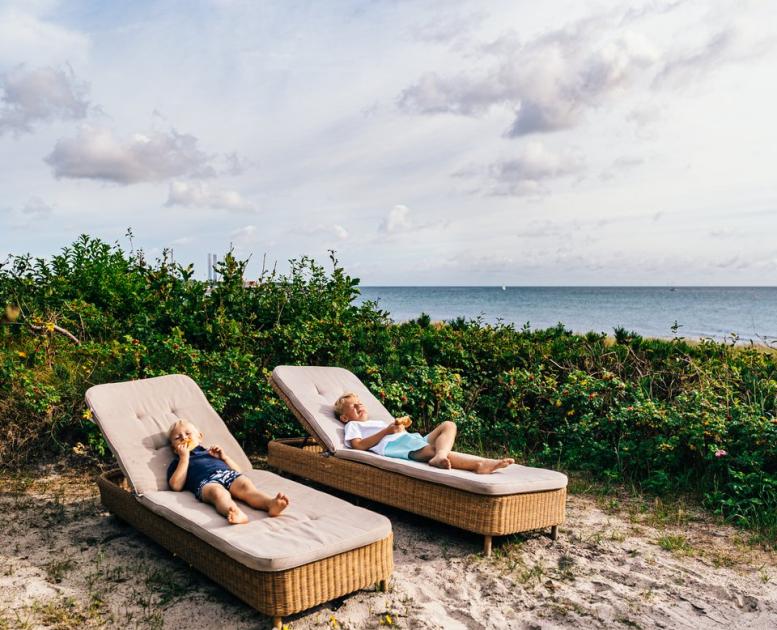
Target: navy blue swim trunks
point(224, 478)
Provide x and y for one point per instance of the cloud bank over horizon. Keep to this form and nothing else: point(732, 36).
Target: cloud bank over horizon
point(429, 143)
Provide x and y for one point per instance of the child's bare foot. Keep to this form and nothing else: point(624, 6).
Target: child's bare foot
point(440, 461)
point(236, 516)
point(278, 504)
point(490, 465)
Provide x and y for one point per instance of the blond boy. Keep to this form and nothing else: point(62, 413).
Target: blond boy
point(393, 440)
point(214, 477)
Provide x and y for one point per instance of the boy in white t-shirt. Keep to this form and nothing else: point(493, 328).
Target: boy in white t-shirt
point(392, 440)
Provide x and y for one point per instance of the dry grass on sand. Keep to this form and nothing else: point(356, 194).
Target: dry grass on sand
point(619, 562)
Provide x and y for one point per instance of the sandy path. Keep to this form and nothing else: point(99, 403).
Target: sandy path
point(64, 562)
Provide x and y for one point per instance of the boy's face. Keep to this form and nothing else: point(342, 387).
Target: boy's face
point(353, 409)
point(185, 433)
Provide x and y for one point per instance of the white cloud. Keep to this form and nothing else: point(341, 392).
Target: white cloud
point(235, 165)
point(620, 165)
point(398, 220)
point(36, 208)
point(488, 263)
point(732, 262)
point(32, 96)
point(542, 229)
point(528, 172)
point(340, 232)
point(246, 235)
point(645, 114)
point(26, 38)
point(447, 27)
point(96, 153)
point(552, 80)
point(737, 42)
point(197, 194)
point(549, 81)
point(320, 229)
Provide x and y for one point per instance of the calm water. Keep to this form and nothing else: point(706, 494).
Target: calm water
point(751, 312)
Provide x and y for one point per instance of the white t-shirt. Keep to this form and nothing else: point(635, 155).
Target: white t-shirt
point(363, 429)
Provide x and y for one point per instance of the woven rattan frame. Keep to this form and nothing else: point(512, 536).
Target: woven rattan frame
point(489, 515)
point(274, 593)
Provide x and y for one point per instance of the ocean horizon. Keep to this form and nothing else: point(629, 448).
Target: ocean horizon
point(720, 312)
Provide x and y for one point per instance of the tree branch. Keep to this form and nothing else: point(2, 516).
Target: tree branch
point(60, 330)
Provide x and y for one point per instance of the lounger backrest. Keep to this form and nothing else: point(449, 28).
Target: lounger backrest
point(135, 416)
point(313, 391)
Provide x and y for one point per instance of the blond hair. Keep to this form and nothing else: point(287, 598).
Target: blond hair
point(340, 402)
point(175, 424)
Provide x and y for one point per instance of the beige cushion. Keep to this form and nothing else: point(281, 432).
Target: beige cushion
point(314, 526)
point(314, 390)
point(134, 417)
point(514, 479)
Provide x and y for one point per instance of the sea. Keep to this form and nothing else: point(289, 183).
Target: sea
point(734, 314)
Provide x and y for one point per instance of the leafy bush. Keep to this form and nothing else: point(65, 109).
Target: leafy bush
point(669, 415)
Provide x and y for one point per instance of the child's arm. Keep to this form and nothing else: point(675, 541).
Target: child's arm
point(216, 451)
point(178, 478)
point(365, 444)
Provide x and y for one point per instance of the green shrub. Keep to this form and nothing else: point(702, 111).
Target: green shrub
point(669, 415)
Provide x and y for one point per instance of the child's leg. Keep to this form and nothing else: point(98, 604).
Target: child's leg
point(442, 439)
point(480, 465)
point(219, 497)
point(244, 489)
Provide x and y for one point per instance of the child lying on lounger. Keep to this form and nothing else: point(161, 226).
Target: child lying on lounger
point(213, 476)
point(392, 440)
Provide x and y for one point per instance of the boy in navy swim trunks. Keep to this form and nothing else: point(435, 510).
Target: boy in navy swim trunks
point(214, 477)
point(392, 440)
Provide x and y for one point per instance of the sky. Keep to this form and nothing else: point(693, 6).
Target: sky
point(426, 142)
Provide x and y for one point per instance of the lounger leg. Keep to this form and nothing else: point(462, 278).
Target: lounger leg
point(487, 545)
point(277, 623)
point(554, 532)
point(382, 586)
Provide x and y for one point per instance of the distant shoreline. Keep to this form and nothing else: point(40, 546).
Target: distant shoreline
point(763, 346)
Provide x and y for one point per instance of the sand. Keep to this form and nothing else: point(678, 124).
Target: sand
point(620, 562)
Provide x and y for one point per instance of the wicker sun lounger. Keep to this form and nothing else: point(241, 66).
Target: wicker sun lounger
point(514, 499)
point(320, 548)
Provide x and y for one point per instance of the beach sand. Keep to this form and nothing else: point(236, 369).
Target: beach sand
point(620, 562)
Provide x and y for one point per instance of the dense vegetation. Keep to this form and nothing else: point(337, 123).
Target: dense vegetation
point(666, 415)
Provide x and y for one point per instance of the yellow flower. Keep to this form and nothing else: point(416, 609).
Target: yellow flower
point(50, 326)
point(87, 415)
point(22, 355)
point(571, 412)
point(387, 620)
point(333, 623)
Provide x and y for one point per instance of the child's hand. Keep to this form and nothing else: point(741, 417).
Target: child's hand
point(215, 451)
point(405, 421)
point(395, 427)
point(182, 450)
